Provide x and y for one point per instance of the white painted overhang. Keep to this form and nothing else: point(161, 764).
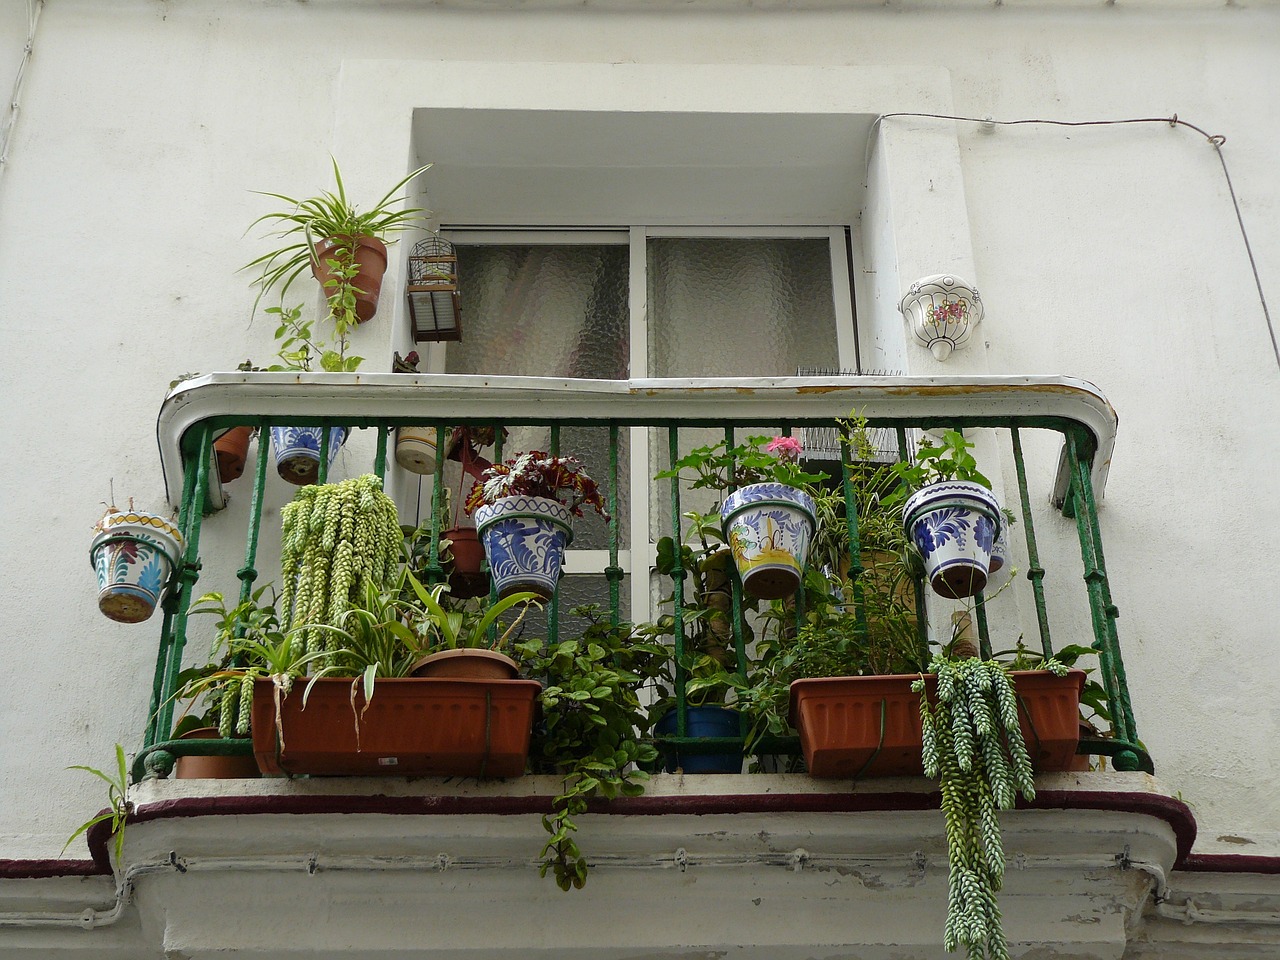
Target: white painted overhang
point(400, 398)
point(766, 867)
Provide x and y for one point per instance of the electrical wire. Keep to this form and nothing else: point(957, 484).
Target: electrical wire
point(34, 7)
point(1215, 140)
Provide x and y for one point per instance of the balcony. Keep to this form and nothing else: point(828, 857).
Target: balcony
point(864, 857)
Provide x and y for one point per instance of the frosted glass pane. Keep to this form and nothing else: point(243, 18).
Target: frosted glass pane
point(737, 308)
point(577, 590)
point(551, 311)
point(546, 311)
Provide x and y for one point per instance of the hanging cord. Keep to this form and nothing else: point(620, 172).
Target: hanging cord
point(1215, 140)
point(11, 113)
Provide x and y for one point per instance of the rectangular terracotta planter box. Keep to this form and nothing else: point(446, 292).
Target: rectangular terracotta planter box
point(840, 719)
point(412, 727)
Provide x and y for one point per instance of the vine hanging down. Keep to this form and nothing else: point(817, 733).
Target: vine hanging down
point(973, 747)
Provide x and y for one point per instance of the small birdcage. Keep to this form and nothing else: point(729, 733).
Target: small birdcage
point(433, 291)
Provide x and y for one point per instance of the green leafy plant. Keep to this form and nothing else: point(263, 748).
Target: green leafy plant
point(329, 216)
point(437, 626)
point(938, 462)
point(118, 805)
point(592, 727)
point(297, 347)
point(758, 460)
point(973, 747)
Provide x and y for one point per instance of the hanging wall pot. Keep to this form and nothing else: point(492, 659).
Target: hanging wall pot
point(297, 451)
point(134, 554)
point(769, 527)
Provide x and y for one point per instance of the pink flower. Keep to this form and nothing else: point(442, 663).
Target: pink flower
point(786, 448)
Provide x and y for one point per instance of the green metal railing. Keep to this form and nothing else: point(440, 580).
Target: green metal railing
point(198, 411)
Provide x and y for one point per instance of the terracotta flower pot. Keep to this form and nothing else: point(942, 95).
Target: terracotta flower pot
point(870, 726)
point(466, 574)
point(412, 727)
point(232, 450)
point(133, 554)
point(467, 664)
point(211, 767)
point(371, 261)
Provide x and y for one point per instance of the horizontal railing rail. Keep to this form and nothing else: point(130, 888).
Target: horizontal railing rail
point(199, 410)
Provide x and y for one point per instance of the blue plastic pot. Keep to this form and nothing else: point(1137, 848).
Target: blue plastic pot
point(702, 722)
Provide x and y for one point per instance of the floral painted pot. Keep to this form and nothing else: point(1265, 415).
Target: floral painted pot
point(133, 554)
point(524, 539)
point(416, 449)
point(298, 451)
point(954, 525)
point(769, 527)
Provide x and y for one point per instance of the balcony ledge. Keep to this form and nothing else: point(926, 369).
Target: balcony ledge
point(863, 864)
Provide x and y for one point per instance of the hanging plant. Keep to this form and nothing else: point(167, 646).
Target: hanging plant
point(973, 747)
point(338, 538)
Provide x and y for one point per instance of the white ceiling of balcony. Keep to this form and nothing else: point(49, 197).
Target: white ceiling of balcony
point(596, 168)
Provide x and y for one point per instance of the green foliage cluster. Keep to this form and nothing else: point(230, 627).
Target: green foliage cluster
point(338, 539)
point(938, 462)
point(593, 727)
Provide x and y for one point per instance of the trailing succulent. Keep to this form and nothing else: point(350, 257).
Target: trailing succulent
point(973, 747)
point(338, 540)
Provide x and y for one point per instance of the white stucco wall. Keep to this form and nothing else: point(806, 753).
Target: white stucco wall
point(1108, 253)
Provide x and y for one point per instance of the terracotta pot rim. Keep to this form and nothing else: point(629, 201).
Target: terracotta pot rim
point(463, 653)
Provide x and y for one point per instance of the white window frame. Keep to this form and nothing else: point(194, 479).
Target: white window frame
point(637, 237)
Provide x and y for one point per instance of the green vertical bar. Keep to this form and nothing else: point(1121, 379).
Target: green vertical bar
point(614, 573)
point(435, 571)
point(677, 586)
point(1104, 610)
point(189, 506)
point(922, 610)
point(1035, 572)
point(852, 533)
point(553, 607)
point(248, 574)
point(322, 474)
point(380, 458)
point(187, 576)
point(735, 588)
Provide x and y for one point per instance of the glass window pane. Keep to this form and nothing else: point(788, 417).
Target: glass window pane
point(739, 307)
point(543, 310)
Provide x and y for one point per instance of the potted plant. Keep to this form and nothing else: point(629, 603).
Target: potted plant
point(592, 729)
point(344, 247)
point(133, 554)
point(950, 514)
point(524, 509)
point(297, 448)
point(364, 713)
point(767, 519)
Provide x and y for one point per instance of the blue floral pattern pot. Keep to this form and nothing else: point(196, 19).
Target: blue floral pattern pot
point(769, 527)
point(133, 554)
point(524, 539)
point(954, 526)
point(298, 451)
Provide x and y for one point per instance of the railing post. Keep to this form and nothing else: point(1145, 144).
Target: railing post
point(1035, 572)
point(677, 585)
point(1104, 612)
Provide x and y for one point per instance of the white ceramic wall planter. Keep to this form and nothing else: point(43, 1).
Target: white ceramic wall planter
point(942, 311)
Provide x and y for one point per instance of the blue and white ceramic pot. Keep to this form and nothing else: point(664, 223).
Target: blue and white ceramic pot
point(524, 539)
point(769, 527)
point(954, 525)
point(298, 451)
point(133, 554)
